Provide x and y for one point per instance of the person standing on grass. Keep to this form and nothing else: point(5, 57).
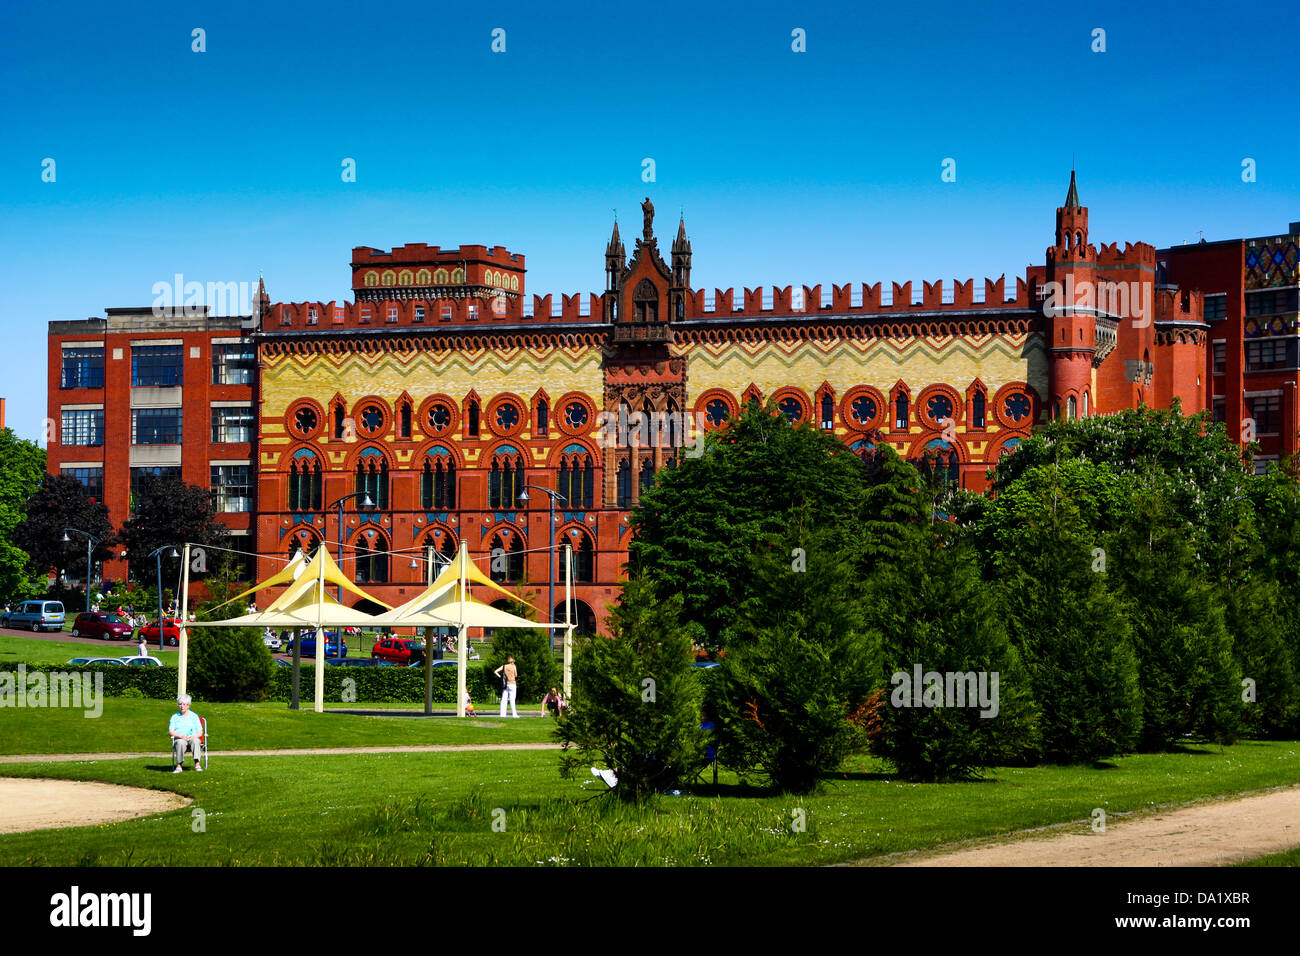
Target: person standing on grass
point(144, 648)
point(185, 730)
point(509, 690)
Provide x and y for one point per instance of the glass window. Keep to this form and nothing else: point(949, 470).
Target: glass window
point(1220, 410)
point(977, 410)
point(392, 313)
point(232, 424)
point(83, 427)
point(419, 313)
point(157, 366)
point(1220, 357)
point(1267, 353)
point(232, 364)
point(155, 426)
point(232, 487)
point(1267, 412)
point(1216, 307)
point(900, 412)
point(83, 368)
point(138, 476)
point(92, 479)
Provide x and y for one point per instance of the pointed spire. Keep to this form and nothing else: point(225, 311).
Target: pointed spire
point(681, 243)
point(1072, 197)
point(615, 247)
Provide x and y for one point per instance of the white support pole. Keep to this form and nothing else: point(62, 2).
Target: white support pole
point(183, 651)
point(568, 621)
point(320, 636)
point(462, 651)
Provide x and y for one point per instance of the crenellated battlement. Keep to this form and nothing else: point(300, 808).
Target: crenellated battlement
point(416, 252)
point(860, 298)
point(1133, 253)
point(1179, 305)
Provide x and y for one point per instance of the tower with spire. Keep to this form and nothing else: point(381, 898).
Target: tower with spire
point(681, 287)
point(1072, 322)
point(615, 263)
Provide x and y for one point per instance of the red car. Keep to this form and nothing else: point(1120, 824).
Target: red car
point(108, 627)
point(171, 631)
point(399, 650)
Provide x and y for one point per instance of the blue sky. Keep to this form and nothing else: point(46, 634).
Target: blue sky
point(822, 166)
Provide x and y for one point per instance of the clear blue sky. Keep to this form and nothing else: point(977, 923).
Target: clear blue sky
point(821, 166)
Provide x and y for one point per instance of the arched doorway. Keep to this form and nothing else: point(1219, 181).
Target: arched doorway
point(581, 614)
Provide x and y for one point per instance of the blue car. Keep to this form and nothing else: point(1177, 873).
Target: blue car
point(332, 648)
point(358, 662)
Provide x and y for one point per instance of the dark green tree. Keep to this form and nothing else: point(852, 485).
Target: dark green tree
point(935, 615)
point(531, 649)
point(63, 502)
point(169, 512)
point(636, 701)
point(229, 663)
point(694, 532)
point(790, 695)
point(22, 468)
point(1072, 632)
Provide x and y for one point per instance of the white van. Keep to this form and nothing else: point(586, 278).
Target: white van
point(36, 615)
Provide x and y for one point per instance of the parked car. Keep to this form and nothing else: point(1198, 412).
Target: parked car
point(86, 661)
point(399, 650)
point(171, 631)
point(108, 627)
point(36, 615)
point(446, 663)
point(139, 661)
point(331, 645)
point(271, 640)
point(706, 665)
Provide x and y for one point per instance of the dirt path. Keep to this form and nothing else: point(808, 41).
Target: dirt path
point(27, 804)
point(1228, 830)
point(284, 752)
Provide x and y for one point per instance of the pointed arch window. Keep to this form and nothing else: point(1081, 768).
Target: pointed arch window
point(575, 480)
point(340, 416)
point(372, 477)
point(624, 484)
point(404, 420)
point(507, 559)
point(828, 411)
point(506, 479)
point(305, 482)
point(473, 418)
point(645, 302)
point(900, 412)
point(543, 418)
point(372, 560)
point(1072, 408)
point(977, 410)
point(584, 560)
point(438, 481)
point(647, 475)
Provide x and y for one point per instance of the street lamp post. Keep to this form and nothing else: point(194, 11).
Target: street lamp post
point(552, 496)
point(156, 554)
point(365, 503)
point(89, 539)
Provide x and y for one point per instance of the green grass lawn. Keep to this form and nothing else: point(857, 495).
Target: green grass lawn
point(33, 650)
point(141, 725)
point(440, 808)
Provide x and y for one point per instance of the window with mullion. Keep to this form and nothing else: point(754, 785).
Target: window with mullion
point(83, 368)
point(156, 426)
point(156, 366)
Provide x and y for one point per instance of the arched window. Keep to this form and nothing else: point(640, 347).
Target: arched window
point(304, 482)
point(1085, 404)
point(438, 481)
point(506, 479)
point(1072, 408)
point(900, 412)
point(645, 302)
point(575, 480)
point(372, 478)
point(372, 561)
point(404, 420)
point(647, 475)
point(672, 426)
point(624, 484)
point(977, 410)
point(828, 411)
point(340, 414)
point(584, 560)
point(506, 562)
point(473, 419)
point(1078, 241)
point(543, 417)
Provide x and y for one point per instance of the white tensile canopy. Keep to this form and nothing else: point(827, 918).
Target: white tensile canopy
point(448, 603)
point(304, 604)
point(445, 603)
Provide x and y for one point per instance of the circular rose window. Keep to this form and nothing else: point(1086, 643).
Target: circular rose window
point(864, 410)
point(507, 417)
point(439, 417)
point(716, 412)
point(372, 416)
point(575, 414)
point(791, 408)
point(939, 407)
point(1018, 407)
point(305, 420)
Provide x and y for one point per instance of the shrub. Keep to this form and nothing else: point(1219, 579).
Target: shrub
point(229, 663)
point(636, 703)
point(531, 649)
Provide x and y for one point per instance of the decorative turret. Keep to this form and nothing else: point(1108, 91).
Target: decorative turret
point(1071, 311)
point(615, 263)
point(681, 286)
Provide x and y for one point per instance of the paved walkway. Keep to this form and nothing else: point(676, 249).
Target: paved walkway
point(1228, 830)
point(283, 752)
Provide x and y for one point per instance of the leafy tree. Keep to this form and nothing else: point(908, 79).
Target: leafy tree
point(169, 512)
point(790, 693)
point(896, 506)
point(63, 502)
point(22, 468)
point(636, 702)
point(1275, 503)
point(1072, 632)
point(931, 609)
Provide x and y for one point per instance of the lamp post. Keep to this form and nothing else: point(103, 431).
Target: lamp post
point(156, 554)
point(550, 520)
point(365, 503)
point(90, 541)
